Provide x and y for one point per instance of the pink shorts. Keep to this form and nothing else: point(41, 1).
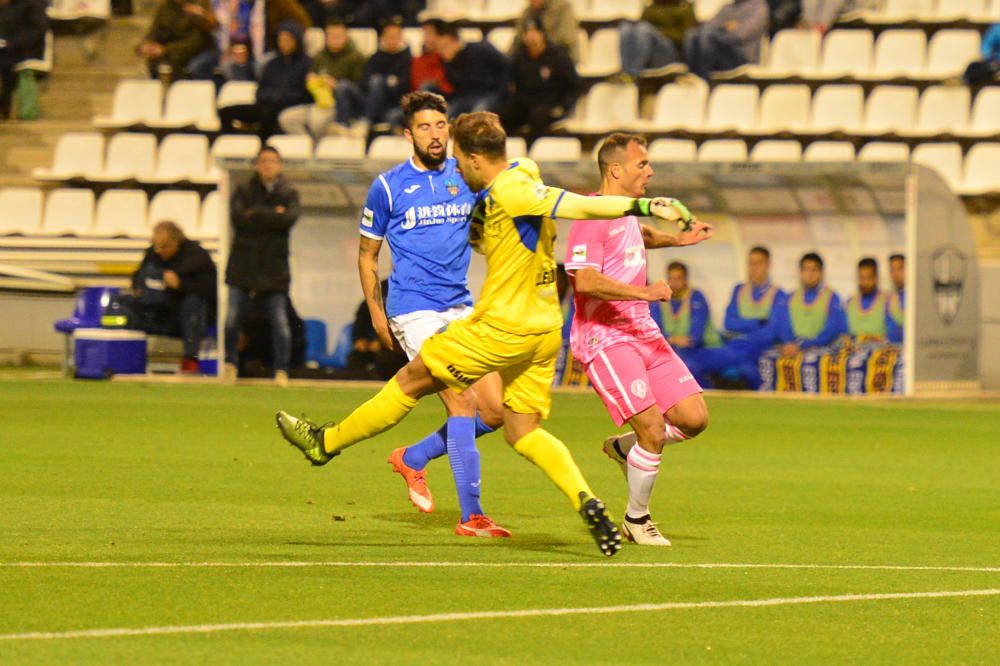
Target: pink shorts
point(633, 376)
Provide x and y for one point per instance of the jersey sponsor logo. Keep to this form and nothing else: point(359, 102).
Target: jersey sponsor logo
point(434, 214)
point(367, 217)
point(638, 389)
point(409, 219)
point(616, 230)
point(459, 375)
point(541, 191)
point(684, 378)
point(579, 253)
point(546, 276)
point(635, 256)
point(411, 189)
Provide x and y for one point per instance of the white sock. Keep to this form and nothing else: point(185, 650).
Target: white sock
point(674, 434)
point(642, 469)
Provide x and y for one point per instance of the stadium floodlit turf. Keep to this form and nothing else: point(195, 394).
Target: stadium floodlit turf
point(223, 545)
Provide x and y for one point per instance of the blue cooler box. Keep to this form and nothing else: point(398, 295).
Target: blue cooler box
point(100, 353)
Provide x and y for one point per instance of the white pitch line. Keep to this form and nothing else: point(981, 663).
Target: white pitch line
point(489, 565)
point(486, 615)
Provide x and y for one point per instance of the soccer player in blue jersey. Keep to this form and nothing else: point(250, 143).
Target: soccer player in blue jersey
point(421, 207)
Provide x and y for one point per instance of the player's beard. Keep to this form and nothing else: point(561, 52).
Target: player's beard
point(428, 160)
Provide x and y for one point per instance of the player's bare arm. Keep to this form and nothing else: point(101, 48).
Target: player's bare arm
point(654, 238)
point(597, 285)
point(368, 251)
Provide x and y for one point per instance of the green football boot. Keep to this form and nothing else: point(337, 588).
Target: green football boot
point(306, 436)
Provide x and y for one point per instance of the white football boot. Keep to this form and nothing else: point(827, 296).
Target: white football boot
point(617, 447)
point(644, 533)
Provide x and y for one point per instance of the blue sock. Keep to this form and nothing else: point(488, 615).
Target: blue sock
point(464, 458)
point(430, 447)
point(482, 428)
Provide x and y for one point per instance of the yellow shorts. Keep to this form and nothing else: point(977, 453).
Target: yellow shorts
point(467, 350)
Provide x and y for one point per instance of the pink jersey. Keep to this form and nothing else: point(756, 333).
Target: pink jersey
point(615, 249)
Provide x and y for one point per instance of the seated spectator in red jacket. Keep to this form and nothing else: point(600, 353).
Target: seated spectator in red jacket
point(427, 69)
point(387, 77)
point(544, 85)
point(729, 40)
point(477, 72)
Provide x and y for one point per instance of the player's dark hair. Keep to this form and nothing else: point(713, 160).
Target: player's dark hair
point(868, 262)
point(392, 21)
point(446, 28)
point(421, 100)
point(760, 249)
point(613, 143)
point(334, 21)
point(267, 149)
point(481, 133)
point(436, 24)
point(896, 257)
point(811, 256)
point(678, 266)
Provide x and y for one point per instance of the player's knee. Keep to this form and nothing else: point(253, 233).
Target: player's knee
point(693, 422)
point(491, 415)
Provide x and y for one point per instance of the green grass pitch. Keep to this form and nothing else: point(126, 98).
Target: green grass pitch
point(885, 497)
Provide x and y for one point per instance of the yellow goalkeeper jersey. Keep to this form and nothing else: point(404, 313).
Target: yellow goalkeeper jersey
point(513, 225)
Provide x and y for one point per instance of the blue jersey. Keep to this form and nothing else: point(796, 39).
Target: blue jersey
point(424, 216)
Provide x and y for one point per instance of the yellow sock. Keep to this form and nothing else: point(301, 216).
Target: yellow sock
point(551, 455)
point(384, 410)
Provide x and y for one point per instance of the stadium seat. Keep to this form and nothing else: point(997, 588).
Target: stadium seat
point(235, 147)
point(470, 35)
point(366, 39)
point(340, 148)
point(236, 92)
point(829, 151)
point(723, 150)
point(950, 52)
point(209, 218)
point(705, 10)
point(792, 53)
point(292, 147)
point(516, 147)
point(954, 10)
point(390, 149)
point(87, 312)
point(129, 155)
point(890, 110)
point(315, 330)
point(608, 106)
point(898, 53)
point(190, 104)
point(900, 11)
point(22, 210)
point(181, 208)
point(314, 40)
point(182, 157)
point(77, 153)
point(603, 57)
point(121, 213)
point(732, 107)
point(884, 151)
point(501, 10)
point(944, 158)
point(136, 102)
point(68, 212)
point(679, 106)
point(502, 38)
point(941, 110)
point(77, 10)
point(41, 65)
point(845, 53)
point(673, 150)
point(414, 37)
point(837, 108)
point(555, 149)
point(784, 108)
point(612, 10)
point(776, 151)
point(985, 114)
point(982, 169)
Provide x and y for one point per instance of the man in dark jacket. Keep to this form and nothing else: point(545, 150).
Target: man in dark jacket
point(179, 32)
point(731, 39)
point(262, 213)
point(22, 35)
point(477, 72)
point(282, 85)
point(173, 291)
point(545, 85)
point(387, 75)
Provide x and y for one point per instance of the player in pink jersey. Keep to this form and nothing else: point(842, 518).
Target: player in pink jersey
point(636, 373)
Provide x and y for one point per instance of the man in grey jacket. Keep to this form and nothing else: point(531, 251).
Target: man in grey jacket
point(729, 40)
point(558, 21)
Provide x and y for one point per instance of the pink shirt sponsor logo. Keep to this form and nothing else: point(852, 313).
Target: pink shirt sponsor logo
point(614, 248)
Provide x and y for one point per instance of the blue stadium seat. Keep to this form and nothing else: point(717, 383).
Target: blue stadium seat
point(345, 343)
point(315, 341)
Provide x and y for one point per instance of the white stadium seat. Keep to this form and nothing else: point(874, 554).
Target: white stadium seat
point(609, 106)
point(846, 53)
point(942, 109)
point(776, 151)
point(209, 221)
point(982, 169)
point(838, 108)
point(784, 108)
point(944, 158)
point(555, 149)
point(366, 39)
point(136, 102)
point(680, 106)
point(898, 53)
point(829, 151)
point(723, 150)
point(985, 114)
point(181, 208)
point(122, 213)
point(732, 107)
point(235, 147)
point(22, 210)
point(610, 10)
point(292, 147)
point(952, 10)
point(182, 157)
point(414, 37)
point(516, 147)
point(68, 212)
point(340, 148)
point(390, 149)
point(190, 104)
point(705, 10)
point(314, 40)
point(792, 52)
point(236, 92)
point(890, 110)
point(502, 38)
point(129, 155)
point(884, 151)
point(501, 10)
point(603, 57)
point(673, 150)
point(77, 153)
point(950, 52)
point(897, 11)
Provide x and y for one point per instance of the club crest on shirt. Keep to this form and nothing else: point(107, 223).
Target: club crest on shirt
point(452, 187)
point(639, 388)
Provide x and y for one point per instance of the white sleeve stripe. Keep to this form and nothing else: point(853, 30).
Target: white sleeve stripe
point(577, 265)
point(388, 192)
point(367, 234)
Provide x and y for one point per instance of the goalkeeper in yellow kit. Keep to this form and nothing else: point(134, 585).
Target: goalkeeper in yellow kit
point(515, 327)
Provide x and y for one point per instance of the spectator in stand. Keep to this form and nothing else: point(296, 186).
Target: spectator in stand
point(866, 310)
point(655, 40)
point(335, 84)
point(173, 291)
point(896, 306)
point(427, 69)
point(477, 72)
point(181, 29)
point(387, 77)
point(812, 316)
point(687, 323)
point(729, 40)
point(357, 13)
point(985, 70)
point(558, 21)
point(282, 85)
point(784, 14)
point(22, 35)
point(262, 212)
point(544, 85)
point(822, 14)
